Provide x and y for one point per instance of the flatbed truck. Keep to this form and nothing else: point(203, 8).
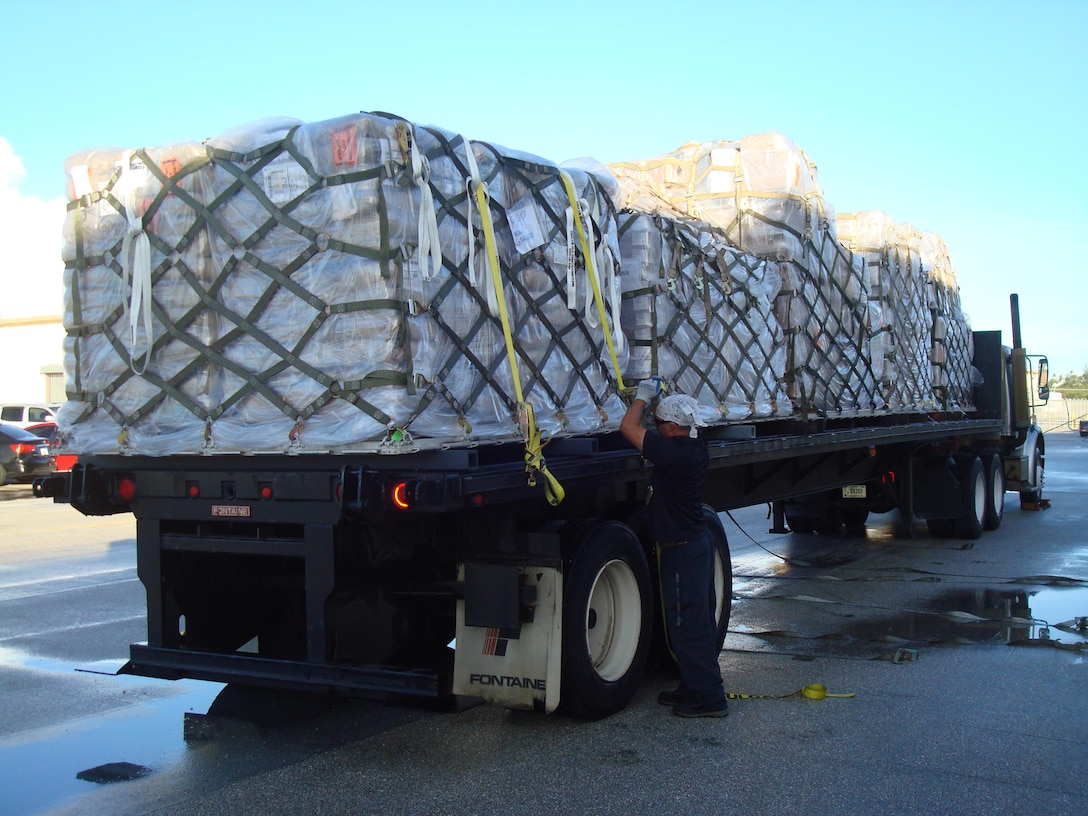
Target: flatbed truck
point(444, 575)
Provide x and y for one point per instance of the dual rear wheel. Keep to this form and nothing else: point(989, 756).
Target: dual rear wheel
point(982, 497)
point(609, 612)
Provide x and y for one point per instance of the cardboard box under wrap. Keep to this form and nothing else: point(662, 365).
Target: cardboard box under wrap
point(762, 193)
point(700, 313)
point(318, 286)
point(927, 341)
point(761, 190)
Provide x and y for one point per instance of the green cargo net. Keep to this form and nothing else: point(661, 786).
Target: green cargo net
point(319, 286)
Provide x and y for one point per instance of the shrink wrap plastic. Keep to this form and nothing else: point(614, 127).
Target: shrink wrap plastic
point(926, 337)
point(700, 313)
point(762, 193)
point(290, 286)
point(326, 286)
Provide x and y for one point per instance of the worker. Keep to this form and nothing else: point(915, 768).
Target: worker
point(685, 552)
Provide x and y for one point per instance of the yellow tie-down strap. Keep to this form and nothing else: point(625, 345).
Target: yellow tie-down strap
point(813, 691)
point(533, 436)
point(591, 273)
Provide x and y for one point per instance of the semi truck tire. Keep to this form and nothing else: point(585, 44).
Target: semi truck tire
point(1036, 473)
point(607, 619)
point(723, 575)
point(803, 525)
point(995, 491)
point(974, 496)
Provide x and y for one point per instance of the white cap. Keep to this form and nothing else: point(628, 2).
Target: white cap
point(682, 410)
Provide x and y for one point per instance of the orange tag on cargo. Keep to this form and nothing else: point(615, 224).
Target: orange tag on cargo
point(344, 146)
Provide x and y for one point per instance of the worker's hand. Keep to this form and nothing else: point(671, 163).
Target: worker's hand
point(649, 390)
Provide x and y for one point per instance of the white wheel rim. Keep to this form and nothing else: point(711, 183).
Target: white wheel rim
point(613, 620)
point(719, 587)
point(980, 497)
point(998, 490)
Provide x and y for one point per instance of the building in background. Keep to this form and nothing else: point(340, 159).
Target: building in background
point(32, 352)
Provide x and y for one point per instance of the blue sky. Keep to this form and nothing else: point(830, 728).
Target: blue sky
point(961, 117)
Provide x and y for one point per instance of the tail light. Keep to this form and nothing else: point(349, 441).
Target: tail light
point(126, 488)
point(22, 448)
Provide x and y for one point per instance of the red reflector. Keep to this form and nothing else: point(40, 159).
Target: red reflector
point(194, 491)
point(266, 492)
point(126, 489)
point(339, 491)
point(400, 495)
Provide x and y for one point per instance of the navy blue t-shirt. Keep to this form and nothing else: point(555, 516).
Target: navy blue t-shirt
point(678, 480)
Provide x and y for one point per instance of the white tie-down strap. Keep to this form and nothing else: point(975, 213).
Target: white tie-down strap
point(135, 268)
point(606, 262)
point(430, 245)
point(600, 267)
point(478, 280)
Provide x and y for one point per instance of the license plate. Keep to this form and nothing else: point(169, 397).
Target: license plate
point(853, 492)
point(43, 450)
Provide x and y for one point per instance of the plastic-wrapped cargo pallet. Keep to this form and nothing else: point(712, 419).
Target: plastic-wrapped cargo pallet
point(700, 313)
point(331, 286)
point(763, 194)
point(952, 348)
point(898, 290)
point(928, 345)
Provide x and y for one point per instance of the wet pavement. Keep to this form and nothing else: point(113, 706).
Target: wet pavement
point(967, 662)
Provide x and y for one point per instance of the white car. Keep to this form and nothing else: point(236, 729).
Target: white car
point(23, 415)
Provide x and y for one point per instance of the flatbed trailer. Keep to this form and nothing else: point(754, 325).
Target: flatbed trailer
point(443, 574)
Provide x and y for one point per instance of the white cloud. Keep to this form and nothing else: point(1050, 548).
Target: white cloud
point(31, 269)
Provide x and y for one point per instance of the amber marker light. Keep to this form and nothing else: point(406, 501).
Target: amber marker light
point(400, 495)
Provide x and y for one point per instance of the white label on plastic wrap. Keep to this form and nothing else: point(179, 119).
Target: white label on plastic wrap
point(284, 180)
point(525, 225)
point(136, 173)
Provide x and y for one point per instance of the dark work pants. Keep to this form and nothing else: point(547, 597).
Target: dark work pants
point(687, 595)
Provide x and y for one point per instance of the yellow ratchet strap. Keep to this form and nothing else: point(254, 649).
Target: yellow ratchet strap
point(534, 438)
point(591, 270)
point(813, 691)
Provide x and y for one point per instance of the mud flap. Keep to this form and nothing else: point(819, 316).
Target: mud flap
point(515, 668)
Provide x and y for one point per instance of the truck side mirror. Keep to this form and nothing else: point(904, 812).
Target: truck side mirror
point(1044, 379)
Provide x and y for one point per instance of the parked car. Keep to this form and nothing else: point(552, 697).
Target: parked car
point(23, 455)
point(23, 414)
point(1083, 428)
point(48, 430)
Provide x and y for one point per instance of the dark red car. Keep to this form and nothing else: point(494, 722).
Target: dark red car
point(23, 455)
point(48, 430)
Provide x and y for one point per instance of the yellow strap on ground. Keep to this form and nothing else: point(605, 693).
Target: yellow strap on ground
point(591, 271)
point(534, 439)
point(814, 691)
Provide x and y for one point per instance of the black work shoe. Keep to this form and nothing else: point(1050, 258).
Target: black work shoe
point(693, 708)
point(674, 696)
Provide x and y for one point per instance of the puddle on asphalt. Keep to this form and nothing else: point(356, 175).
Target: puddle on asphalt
point(1055, 616)
point(38, 768)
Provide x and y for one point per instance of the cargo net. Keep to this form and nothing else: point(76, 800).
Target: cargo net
point(700, 313)
point(922, 341)
point(762, 195)
point(356, 283)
